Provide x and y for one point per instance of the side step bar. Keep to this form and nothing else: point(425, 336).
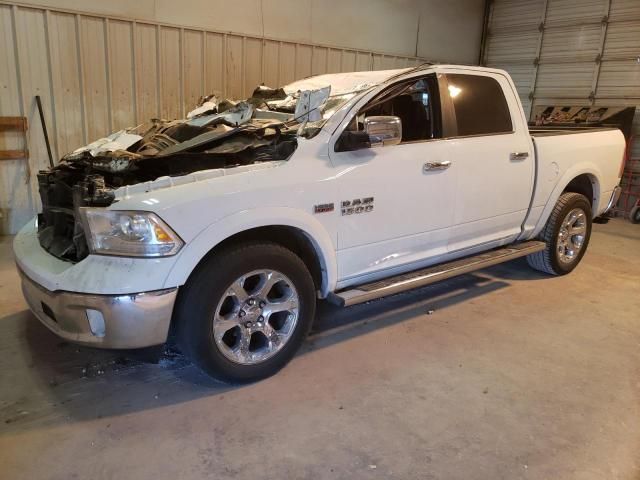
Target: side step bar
point(429, 275)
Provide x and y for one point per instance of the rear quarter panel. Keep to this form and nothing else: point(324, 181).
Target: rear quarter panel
point(561, 158)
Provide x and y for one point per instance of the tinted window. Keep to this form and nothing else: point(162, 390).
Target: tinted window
point(479, 105)
point(416, 102)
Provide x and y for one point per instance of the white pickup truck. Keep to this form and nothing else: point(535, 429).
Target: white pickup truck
point(225, 227)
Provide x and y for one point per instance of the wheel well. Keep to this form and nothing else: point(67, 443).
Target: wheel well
point(291, 238)
point(584, 184)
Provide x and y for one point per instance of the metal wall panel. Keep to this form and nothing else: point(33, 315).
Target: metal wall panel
point(587, 52)
point(121, 77)
point(67, 81)
point(97, 74)
point(171, 73)
point(507, 47)
point(146, 72)
point(566, 80)
point(571, 12)
point(193, 66)
point(92, 51)
point(624, 10)
point(509, 13)
point(623, 40)
point(575, 43)
point(214, 78)
point(619, 79)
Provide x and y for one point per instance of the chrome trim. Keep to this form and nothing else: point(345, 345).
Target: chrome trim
point(571, 236)
point(256, 317)
point(427, 276)
point(383, 131)
point(131, 321)
point(516, 156)
point(613, 201)
point(431, 166)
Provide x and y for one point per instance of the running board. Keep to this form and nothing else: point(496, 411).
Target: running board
point(429, 275)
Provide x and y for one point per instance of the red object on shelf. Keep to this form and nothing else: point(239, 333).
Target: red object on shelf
point(630, 183)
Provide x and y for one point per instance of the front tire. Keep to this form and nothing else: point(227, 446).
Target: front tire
point(566, 234)
point(245, 311)
point(634, 215)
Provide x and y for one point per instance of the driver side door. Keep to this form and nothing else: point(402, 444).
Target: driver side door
point(396, 202)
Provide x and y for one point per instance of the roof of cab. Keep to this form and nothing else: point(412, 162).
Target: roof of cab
point(342, 83)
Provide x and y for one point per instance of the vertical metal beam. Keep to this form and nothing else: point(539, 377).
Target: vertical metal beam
point(159, 99)
point(488, 11)
point(280, 62)
point(107, 69)
point(16, 53)
point(243, 66)
point(536, 60)
point(203, 90)
point(224, 65)
point(263, 60)
point(21, 92)
point(134, 68)
point(81, 77)
point(54, 116)
point(181, 72)
point(598, 59)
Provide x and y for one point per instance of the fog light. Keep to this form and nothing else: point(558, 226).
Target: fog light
point(96, 322)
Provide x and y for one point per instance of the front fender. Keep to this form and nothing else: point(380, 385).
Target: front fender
point(193, 252)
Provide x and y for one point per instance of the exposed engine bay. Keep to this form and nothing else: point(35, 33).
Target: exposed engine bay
point(217, 134)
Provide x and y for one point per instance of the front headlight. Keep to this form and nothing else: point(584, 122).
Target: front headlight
point(129, 233)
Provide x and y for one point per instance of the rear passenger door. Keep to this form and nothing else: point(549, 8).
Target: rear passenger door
point(491, 152)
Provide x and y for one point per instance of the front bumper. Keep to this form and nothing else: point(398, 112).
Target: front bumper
point(105, 321)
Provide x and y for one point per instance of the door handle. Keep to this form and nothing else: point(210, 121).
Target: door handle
point(430, 166)
point(514, 156)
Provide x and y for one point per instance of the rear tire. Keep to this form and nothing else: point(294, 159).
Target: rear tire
point(634, 216)
point(566, 234)
point(245, 311)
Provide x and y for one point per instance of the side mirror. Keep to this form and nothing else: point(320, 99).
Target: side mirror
point(379, 131)
point(383, 131)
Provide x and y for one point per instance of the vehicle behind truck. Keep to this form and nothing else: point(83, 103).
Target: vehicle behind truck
point(225, 228)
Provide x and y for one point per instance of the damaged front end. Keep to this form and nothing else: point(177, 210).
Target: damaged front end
point(217, 134)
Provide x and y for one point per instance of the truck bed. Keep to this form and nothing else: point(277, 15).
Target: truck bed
point(550, 131)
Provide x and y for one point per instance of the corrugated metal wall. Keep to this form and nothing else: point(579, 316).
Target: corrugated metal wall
point(570, 52)
point(98, 74)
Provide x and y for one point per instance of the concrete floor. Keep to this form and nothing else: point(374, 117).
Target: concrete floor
point(512, 375)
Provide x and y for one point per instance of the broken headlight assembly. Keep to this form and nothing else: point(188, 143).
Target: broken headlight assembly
point(129, 233)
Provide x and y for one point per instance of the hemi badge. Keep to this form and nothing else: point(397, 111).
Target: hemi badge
point(323, 208)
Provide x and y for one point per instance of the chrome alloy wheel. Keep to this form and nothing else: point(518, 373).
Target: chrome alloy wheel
point(571, 235)
point(256, 317)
